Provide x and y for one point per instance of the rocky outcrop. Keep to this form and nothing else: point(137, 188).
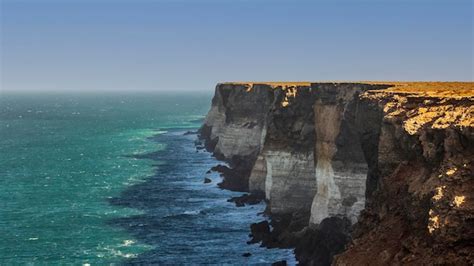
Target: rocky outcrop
point(395, 159)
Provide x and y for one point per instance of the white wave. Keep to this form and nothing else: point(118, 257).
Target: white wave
point(127, 243)
point(192, 212)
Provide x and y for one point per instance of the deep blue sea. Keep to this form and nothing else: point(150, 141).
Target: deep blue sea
point(111, 178)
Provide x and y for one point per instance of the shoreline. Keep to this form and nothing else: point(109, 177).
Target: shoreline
point(268, 230)
point(273, 231)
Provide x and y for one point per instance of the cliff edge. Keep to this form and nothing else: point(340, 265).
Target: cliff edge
point(377, 172)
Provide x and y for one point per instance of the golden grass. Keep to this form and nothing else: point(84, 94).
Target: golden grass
point(436, 89)
point(271, 83)
point(426, 88)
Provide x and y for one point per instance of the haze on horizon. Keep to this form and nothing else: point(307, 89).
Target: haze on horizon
point(191, 45)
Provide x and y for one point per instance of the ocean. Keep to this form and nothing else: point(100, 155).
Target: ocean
point(112, 178)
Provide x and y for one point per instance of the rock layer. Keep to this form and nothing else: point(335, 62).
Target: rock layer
point(341, 168)
point(235, 126)
point(288, 152)
point(399, 152)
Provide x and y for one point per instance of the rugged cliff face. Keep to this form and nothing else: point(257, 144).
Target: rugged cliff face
point(341, 168)
point(323, 152)
point(421, 209)
point(235, 127)
point(287, 155)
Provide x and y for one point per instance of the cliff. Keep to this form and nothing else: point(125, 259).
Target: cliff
point(421, 209)
point(375, 162)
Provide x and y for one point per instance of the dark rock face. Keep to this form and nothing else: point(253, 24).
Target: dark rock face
point(314, 244)
point(279, 263)
point(249, 199)
point(290, 123)
point(368, 125)
point(205, 133)
point(318, 244)
point(284, 233)
point(233, 177)
point(207, 180)
point(259, 231)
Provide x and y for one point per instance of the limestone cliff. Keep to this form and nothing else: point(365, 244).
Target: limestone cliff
point(288, 173)
point(235, 126)
point(341, 168)
point(322, 153)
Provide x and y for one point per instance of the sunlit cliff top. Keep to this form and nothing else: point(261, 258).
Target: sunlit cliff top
point(436, 89)
point(271, 83)
point(426, 88)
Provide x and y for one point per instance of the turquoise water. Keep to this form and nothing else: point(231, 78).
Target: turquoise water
point(102, 178)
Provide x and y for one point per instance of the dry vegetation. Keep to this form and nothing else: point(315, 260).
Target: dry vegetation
point(271, 83)
point(434, 89)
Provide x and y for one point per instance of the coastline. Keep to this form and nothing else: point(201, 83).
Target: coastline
point(324, 159)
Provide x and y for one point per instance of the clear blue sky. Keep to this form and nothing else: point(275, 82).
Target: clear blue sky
point(169, 45)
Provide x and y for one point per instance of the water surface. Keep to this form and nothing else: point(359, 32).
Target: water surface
point(103, 178)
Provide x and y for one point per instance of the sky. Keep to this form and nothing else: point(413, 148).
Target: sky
point(156, 45)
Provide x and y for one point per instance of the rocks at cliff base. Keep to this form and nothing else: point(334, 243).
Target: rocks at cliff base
point(314, 244)
point(207, 180)
point(189, 132)
point(281, 232)
point(318, 244)
point(259, 231)
point(233, 176)
point(230, 177)
point(247, 199)
point(220, 169)
point(199, 145)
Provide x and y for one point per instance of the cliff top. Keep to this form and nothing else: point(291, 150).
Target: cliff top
point(434, 89)
point(271, 83)
point(425, 88)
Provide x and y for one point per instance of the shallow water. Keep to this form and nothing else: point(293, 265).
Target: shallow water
point(102, 178)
